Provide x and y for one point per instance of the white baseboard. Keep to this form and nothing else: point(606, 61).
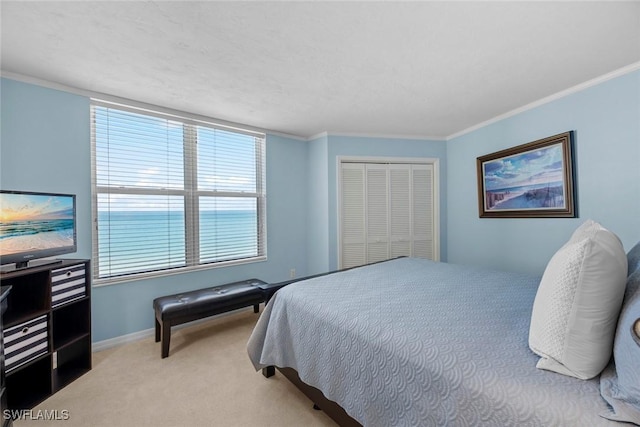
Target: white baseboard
point(136, 336)
point(122, 339)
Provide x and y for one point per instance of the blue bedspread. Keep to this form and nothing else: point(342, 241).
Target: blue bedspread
point(417, 343)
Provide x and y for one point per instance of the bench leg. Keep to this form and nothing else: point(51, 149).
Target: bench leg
point(166, 338)
point(157, 330)
point(256, 308)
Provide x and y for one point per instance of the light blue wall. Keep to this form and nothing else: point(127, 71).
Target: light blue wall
point(606, 121)
point(317, 204)
point(45, 146)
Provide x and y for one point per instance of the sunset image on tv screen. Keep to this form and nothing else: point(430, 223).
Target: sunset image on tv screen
point(35, 222)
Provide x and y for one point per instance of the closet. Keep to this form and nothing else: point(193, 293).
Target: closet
point(386, 210)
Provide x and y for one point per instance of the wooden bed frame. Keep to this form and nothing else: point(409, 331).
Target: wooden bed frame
point(320, 402)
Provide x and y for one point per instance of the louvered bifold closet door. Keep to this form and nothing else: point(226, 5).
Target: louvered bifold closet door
point(400, 212)
point(387, 211)
point(353, 215)
point(423, 211)
point(377, 219)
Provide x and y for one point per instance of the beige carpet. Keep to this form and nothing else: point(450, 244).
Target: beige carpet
point(207, 380)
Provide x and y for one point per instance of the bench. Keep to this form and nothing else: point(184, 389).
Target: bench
point(185, 307)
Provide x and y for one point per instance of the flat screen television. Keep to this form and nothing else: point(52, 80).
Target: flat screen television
point(35, 227)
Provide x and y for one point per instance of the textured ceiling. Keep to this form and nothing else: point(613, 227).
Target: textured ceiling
point(428, 69)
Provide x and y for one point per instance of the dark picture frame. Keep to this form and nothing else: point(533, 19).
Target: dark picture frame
point(533, 180)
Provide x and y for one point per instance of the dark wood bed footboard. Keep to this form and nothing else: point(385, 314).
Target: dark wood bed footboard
point(331, 408)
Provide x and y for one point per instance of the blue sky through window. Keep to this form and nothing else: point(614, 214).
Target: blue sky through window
point(139, 151)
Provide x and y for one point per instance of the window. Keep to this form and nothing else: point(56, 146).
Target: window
point(173, 193)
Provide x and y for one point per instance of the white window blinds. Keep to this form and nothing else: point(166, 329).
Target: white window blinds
point(171, 192)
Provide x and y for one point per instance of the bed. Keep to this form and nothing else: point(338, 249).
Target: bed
point(415, 342)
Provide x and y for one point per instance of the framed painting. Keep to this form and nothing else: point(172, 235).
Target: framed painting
point(533, 180)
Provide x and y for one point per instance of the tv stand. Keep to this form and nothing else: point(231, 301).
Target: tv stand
point(28, 264)
point(47, 329)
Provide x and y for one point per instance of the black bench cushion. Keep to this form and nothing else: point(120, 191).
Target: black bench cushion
point(210, 299)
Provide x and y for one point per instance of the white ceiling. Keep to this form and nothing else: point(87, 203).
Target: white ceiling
point(425, 69)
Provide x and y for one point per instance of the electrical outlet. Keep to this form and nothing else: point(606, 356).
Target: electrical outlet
point(292, 273)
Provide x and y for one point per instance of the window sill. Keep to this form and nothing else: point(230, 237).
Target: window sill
point(171, 272)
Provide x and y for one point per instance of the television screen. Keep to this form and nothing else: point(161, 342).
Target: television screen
point(36, 225)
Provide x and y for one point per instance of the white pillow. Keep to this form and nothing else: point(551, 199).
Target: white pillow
point(577, 304)
point(585, 230)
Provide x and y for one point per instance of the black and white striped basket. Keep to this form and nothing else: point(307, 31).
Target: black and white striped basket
point(67, 284)
point(25, 342)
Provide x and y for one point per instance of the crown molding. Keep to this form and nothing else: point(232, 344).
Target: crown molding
point(125, 101)
point(570, 91)
point(574, 89)
point(317, 136)
point(381, 136)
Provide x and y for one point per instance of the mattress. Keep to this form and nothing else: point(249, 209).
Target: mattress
point(412, 342)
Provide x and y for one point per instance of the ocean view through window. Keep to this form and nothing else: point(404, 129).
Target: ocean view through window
point(173, 193)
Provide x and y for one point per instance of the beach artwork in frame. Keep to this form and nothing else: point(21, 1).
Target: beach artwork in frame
point(532, 180)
